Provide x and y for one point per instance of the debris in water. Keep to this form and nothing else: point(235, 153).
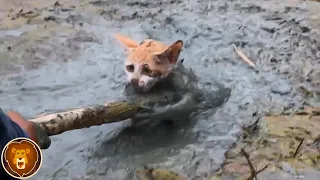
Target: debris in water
point(243, 56)
point(50, 18)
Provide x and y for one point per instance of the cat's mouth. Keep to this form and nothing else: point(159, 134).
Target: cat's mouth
point(142, 88)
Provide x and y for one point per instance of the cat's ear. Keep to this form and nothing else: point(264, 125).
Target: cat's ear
point(127, 42)
point(172, 52)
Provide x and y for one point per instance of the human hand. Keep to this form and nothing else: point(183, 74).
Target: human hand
point(36, 132)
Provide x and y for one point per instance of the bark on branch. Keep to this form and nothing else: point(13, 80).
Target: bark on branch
point(79, 118)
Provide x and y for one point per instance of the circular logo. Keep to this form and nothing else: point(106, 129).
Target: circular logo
point(21, 158)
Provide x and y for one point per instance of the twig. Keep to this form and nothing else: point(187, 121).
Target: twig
point(265, 167)
point(297, 150)
point(252, 170)
point(243, 56)
point(317, 140)
point(254, 173)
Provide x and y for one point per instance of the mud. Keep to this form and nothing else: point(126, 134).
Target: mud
point(64, 56)
point(294, 137)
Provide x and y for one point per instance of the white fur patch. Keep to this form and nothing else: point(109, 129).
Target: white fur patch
point(145, 82)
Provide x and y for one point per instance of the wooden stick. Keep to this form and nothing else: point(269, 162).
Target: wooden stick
point(109, 112)
point(243, 56)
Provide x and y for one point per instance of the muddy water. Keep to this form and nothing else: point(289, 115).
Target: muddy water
point(73, 60)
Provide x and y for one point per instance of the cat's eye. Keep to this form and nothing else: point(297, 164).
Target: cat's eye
point(146, 70)
point(130, 68)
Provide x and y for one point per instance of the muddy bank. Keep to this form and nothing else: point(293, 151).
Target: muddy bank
point(286, 145)
point(65, 56)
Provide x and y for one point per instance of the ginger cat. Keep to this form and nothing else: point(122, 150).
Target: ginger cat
point(148, 62)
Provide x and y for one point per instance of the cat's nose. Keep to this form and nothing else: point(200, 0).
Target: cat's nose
point(134, 81)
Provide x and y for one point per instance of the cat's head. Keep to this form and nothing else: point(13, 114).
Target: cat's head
point(149, 61)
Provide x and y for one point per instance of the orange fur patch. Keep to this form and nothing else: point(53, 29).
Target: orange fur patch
point(158, 56)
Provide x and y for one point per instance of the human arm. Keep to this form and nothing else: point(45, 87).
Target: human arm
point(13, 125)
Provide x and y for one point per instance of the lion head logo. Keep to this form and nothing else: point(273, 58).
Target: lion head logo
point(21, 158)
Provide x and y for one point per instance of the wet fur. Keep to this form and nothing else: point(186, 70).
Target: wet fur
point(174, 97)
point(149, 62)
point(171, 97)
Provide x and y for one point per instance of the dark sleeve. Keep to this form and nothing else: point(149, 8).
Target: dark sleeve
point(8, 130)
